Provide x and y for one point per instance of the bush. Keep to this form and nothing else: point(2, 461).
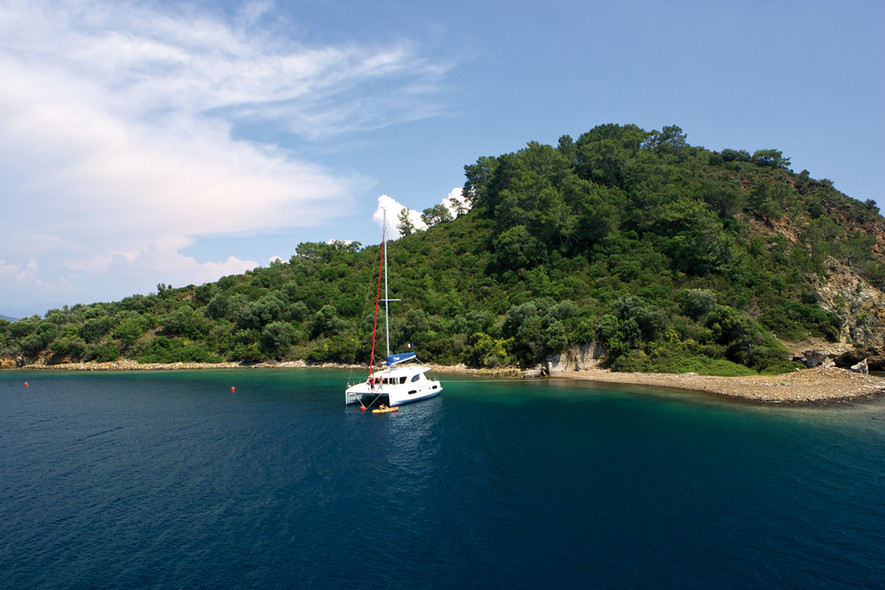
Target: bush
point(130, 330)
point(93, 329)
point(696, 303)
point(277, 338)
point(166, 350)
point(245, 353)
point(69, 347)
point(795, 322)
point(260, 313)
point(488, 352)
point(335, 349)
point(638, 361)
point(103, 353)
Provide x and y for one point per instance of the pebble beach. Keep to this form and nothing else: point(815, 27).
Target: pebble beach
point(807, 386)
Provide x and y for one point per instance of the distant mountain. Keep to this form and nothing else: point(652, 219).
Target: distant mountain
point(7, 318)
point(669, 257)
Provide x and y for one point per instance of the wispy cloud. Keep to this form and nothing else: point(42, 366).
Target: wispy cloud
point(116, 143)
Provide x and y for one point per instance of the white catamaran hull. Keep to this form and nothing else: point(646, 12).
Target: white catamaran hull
point(400, 385)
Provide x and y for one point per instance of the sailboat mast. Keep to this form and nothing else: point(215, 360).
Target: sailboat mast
point(386, 297)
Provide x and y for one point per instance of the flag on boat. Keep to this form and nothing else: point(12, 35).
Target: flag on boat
point(409, 345)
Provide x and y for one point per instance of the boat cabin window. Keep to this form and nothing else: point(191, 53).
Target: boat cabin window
point(416, 377)
point(388, 381)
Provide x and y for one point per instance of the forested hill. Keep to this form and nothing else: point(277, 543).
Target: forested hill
point(671, 256)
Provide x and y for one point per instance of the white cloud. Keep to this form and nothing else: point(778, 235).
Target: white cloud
point(393, 208)
point(18, 273)
point(454, 202)
point(116, 144)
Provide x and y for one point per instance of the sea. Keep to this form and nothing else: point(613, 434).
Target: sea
point(263, 478)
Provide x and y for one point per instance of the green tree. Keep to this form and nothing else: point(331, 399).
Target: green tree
point(71, 348)
point(104, 353)
point(260, 313)
point(405, 226)
point(457, 206)
point(327, 323)
point(518, 248)
point(219, 306)
point(765, 201)
point(93, 329)
point(436, 215)
point(277, 338)
point(129, 330)
point(485, 351)
point(696, 303)
point(772, 158)
point(178, 322)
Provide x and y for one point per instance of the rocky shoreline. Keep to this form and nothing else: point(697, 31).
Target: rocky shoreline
point(131, 365)
point(809, 386)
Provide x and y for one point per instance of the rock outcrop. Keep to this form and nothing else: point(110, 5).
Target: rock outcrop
point(813, 358)
point(862, 306)
point(583, 358)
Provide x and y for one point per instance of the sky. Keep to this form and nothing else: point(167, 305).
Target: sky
point(148, 142)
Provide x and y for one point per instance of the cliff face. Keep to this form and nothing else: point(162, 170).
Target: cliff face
point(862, 305)
point(582, 358)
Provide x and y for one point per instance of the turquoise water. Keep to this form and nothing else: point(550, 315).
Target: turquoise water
point(170, 480)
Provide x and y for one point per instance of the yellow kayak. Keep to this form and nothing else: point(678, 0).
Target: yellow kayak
point(385, 409)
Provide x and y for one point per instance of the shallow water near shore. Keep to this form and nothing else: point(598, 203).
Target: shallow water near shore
point(171, 479)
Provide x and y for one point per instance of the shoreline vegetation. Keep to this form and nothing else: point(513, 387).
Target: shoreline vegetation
point(806, 386)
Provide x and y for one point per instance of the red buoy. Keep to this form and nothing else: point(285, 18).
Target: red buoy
point(362, 408)
point(233, 389)
point(26, 384)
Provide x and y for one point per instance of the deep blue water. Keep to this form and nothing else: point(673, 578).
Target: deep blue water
point(170, 480)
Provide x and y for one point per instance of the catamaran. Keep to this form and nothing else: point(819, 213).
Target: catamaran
point(399, 382)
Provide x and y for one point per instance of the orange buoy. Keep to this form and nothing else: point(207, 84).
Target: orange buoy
point(362, 408)
point(26, 384)
point(233, 389)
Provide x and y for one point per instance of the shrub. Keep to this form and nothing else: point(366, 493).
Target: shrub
point(69, 347)
point(103, 353)
point(638, 361)
point(174, 350)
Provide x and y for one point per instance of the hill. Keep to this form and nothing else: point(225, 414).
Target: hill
point(670, 256)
